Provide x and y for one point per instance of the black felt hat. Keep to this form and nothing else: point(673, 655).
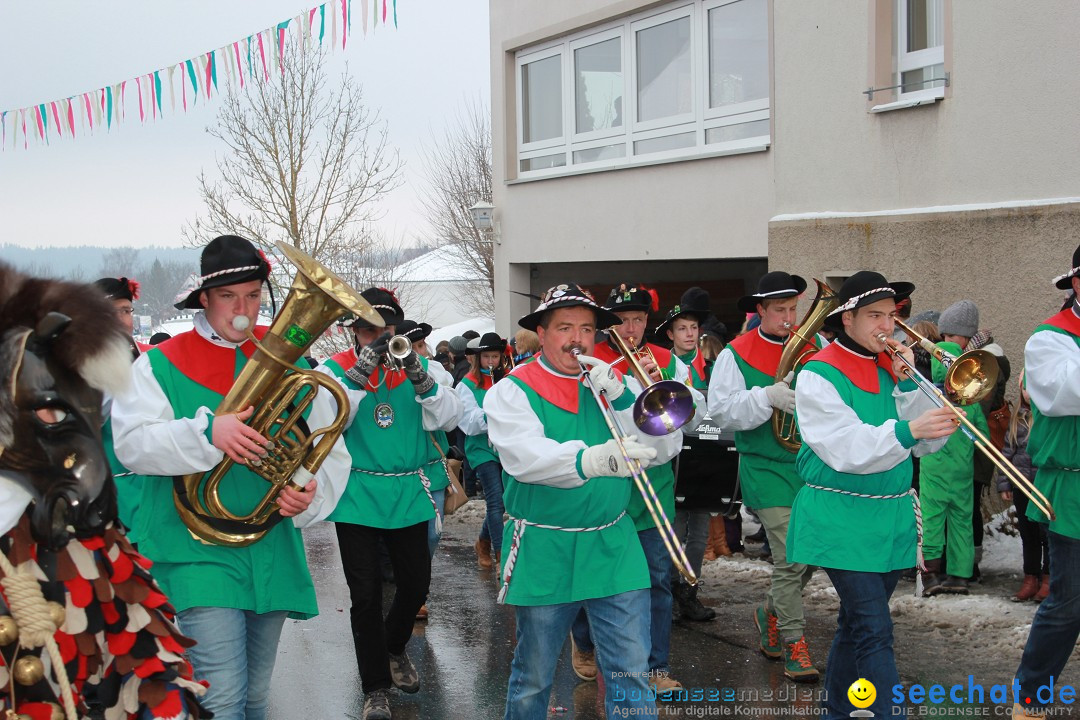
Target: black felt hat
point(564, 296)
point(625, 297)
point(1064, 282)
point(693, 303)
point(385, 303)
point(773, 286)
point(226, 260)
point(487, 341)
point(865, 288)
point(413, 330)
point(120, 288)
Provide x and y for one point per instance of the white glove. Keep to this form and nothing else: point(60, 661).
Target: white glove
point(606, 460)
point(781, 396)
point(603, 377)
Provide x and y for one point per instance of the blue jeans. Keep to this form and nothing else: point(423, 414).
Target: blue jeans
point(235, 652)
point(490, 476)
point(621, 631)
point(1056, 625)
point(660, 569)
point(863, 644)
point(432, 535)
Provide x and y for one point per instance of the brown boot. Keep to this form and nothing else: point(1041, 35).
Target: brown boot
point(710, 553)
point(1044, 589)
point(483, 553)
point(719, 544)
point(932, 579)
point(1028, 589)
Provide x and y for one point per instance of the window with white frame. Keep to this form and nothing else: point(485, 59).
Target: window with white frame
point(688, 79)
point(920, 61)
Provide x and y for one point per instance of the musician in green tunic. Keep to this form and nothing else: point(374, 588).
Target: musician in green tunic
point(572, 542)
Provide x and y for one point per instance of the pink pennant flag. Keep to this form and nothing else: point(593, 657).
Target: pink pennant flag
point(281, 49)
point(89, 113)
point(142, 113)
point(56, 117)
point(209, 70)
point(40, 126)
point(70, 116)
point(344, 23)
point(22, 115)
point(310, 21)
point(150, 93)
point(384, 11)
point(262, 56)
point(239, 65)
point(123, 105)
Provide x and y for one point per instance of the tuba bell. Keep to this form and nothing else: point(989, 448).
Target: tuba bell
point(797, 350)
point(280, 392)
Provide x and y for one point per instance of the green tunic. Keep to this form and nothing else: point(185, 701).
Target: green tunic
point(1054, 446)
point(385, 489)
point(767, 473)
point(128, 484)
point(953, 465)
point(555, 566)
point(478, 448)
point(831, 530)
point(269, 575)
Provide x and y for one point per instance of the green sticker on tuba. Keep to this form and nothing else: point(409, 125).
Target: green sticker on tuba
point(298, 336)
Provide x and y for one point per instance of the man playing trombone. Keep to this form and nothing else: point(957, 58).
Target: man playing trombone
point(861, 419)
point(743, 391)
point(573, 545)
point(1052, 373)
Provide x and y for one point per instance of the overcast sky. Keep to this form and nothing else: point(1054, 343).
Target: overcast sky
point(136, 185)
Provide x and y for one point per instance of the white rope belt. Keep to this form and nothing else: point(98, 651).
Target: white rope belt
point(515, 545)
point(423, 481)
point(920, 561)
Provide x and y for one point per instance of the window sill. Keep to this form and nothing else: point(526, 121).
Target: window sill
point(908, 103)
point(621, 164)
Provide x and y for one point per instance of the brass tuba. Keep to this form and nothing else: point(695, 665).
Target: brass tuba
point(280, 392)
point(797, 350)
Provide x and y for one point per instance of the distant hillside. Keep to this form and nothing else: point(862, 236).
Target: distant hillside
point(88, 262)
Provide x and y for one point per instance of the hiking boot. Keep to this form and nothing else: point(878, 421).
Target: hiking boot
point(955, 585)
point(584, 663)
point(662, 682)
point(1044, 589)
point(797, 665)
point(689, 605)
point(758, 537)
point(483, 553)
point(770, 637)
point(1029, 588)
point(931, 578)
point(403, 673)
point(377, 705)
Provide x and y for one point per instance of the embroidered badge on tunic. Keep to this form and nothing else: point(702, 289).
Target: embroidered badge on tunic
point(384, 415)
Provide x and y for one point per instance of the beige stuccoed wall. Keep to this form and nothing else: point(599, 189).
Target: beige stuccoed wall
point(1006, 130)
point(1003, 260)
point(710, 208)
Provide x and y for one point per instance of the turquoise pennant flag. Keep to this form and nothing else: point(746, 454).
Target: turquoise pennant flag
point(44, 122)
point(108, 107)
point(194, 81)
point(157, 90)
point(395, 14)
point(322, 22)
point(213, 68)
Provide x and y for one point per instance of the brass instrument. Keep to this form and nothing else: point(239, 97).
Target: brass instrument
point(398, 351)
point(968, 380)
point(975, 375)
point(280, 392)
point(665, 405)
point(797, 350)
point(641, 480)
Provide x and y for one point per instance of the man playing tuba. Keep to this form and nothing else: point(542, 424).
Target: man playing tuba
point(743, 391)
point(232, 600)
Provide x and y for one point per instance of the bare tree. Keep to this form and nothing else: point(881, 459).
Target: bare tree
point(159, 282)
point(119, 262)
point(457, 167)
point(303, 162)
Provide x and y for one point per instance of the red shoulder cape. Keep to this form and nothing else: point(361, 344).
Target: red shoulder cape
point(347, 358)
point(1066, 320)
point(860, 370)
point(559, 390)
point(203, 362)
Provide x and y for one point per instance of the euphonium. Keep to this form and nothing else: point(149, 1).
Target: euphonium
point(280, 392)
point(797, 350)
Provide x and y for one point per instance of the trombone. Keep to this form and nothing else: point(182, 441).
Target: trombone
point(641, 480)
point(970, 377)
point(665, 405)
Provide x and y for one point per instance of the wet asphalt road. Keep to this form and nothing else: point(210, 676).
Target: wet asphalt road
point(463, 652)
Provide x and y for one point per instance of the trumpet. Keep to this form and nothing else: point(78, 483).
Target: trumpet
point(665, 405)
point(641, 480)
point(969, 382)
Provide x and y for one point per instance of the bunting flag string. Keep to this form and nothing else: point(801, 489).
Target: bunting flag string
point(238, 60)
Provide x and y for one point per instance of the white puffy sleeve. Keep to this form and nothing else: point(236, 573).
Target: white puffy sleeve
point(441, 410)
point(731, 405)
point(682, 374)
point(149, 439)
point(333, 475)
point(1052, 373)
point(473, 419)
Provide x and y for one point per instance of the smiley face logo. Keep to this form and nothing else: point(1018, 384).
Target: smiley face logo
point(862, 693)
